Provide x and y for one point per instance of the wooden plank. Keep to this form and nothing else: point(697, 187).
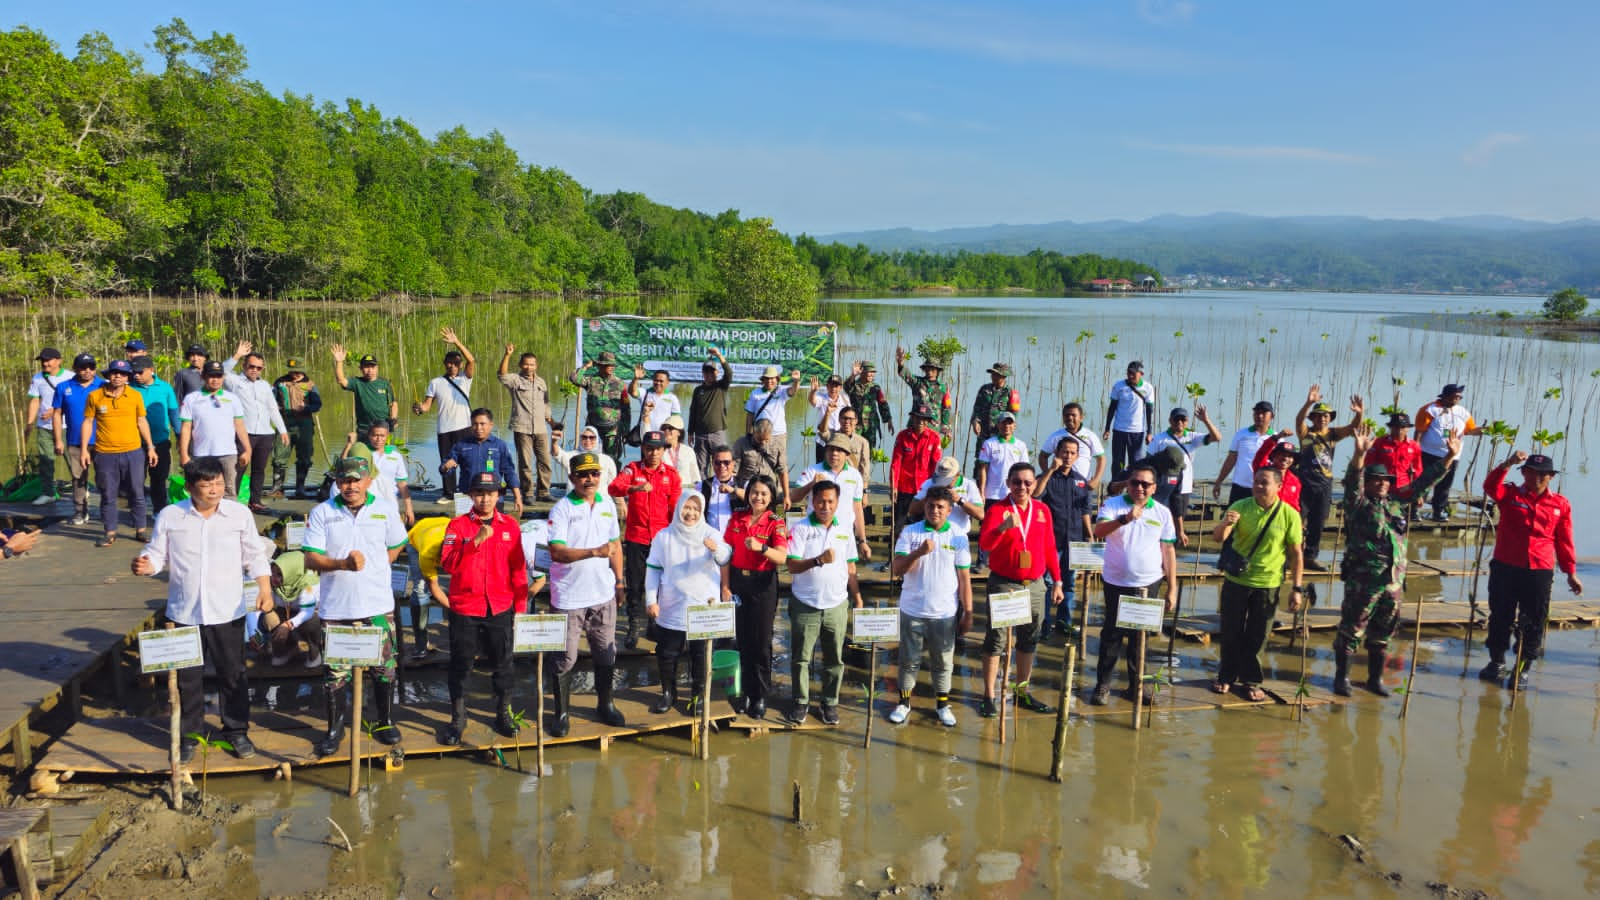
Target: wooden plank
point(134, 746)
point(18, 820)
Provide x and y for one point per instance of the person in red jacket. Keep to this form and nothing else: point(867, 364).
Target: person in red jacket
point(482, 551)
point(1400, 454)
point(1020, 538)
point(1533, 539)
point(651, 490)
point(916, 453)
point(1280, 453)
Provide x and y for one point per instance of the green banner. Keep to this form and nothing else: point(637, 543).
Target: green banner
point(682, 346)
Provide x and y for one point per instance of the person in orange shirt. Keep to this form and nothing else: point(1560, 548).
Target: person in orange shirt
point(122, 448)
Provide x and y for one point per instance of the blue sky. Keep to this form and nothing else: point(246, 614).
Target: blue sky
point(832, 115)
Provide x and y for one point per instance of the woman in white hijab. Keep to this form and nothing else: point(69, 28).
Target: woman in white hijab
point(684, 567)
point(589, 442)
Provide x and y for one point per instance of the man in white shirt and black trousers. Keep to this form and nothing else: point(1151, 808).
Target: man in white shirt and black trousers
point(205, 542)
point(1139, 536)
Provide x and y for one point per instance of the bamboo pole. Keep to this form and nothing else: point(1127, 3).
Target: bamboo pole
point(354, 727)
point(705, 706)
point(872, 683)
point(1138, 678)
point(538, 712)
point(1058, 743)
point(175, 726)
point(1416, 642)
point(1300, 688)
point(1003, 686)
point(1083, 618)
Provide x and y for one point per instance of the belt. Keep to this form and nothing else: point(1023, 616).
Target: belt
point(751, 573)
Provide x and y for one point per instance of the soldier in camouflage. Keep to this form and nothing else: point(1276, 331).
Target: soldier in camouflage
point(1374, 566)
point(993, 399)
point(928, 388)
point(867, 397)
point(607, 402)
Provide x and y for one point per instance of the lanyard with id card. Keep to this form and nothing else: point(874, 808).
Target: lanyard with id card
point(1024, 557)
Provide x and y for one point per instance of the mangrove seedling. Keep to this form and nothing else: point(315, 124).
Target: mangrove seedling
point(207, 744)
point(519, 721)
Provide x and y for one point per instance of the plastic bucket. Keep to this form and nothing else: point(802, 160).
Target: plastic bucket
point(725, 671)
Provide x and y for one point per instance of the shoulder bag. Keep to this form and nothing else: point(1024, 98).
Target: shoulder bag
point(1230, 561)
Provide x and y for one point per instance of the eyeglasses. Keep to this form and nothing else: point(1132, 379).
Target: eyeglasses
point(1022, 484)
point(1142, 484)
point(723, 462)
point(585, 474)
point(254, 368)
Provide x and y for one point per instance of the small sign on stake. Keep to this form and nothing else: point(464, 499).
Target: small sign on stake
point(175, 648)
point(1135, 613)
point(875, 625)
point(710, 620)
point(354, 645)
point(294, 534)
point(540, 633)
point(1010, 609)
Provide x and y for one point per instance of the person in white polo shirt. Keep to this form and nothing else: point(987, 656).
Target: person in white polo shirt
point(769, 403)
point(852, 489)
point(351, 541)
point(213, 426)
point(968, 500)
point(586, 584)
point(998, 454)
point(1139, 552)
point(823, 566)
point(205, 542)
point(935, 559)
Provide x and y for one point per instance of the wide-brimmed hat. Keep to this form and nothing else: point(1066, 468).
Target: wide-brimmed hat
point(606, 358)
point(1377, 470)
point(932, 364)
point(1452, 389)
point(1399, 420)
point(868, 367)
point(838, 442)
point(1538, 462)
point(1001, 369)
point(946, 472)
point(772, 372)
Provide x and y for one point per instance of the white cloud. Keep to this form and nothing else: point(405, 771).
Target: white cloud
point(1166, 12)
point(1263, 152)
point(1480, 153)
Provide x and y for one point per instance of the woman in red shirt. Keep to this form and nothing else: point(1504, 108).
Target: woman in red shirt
point(760, 540)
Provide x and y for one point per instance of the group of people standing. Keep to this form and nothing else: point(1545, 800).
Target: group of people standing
point(698, 518)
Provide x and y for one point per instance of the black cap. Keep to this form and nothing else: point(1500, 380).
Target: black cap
point(141, 364)
point(212, 367)
point(1136, 366)
point(653, 439)
point(1449, 389)
point(367, 360)
point(1399, 420)
point(1178, 412)
point(83, 361)
point(195, 350)
point(922, 411)
point(1263, 406)
point(484, 481)
point(48, 353)
point(1538, 462)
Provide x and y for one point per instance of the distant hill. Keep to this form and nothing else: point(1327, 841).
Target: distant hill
point(1477, 254)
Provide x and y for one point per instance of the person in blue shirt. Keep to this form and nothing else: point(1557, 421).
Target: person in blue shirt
point(71, 399)
point(1068, 496)
point(161, 411)
point(483, 452)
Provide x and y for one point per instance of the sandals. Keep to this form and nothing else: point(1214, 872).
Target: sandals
point(1254, 694)
point(106, 541)
point(1218, 687)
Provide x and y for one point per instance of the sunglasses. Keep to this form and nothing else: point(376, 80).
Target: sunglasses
point(254, 368)
point(723, 462)
point(1142, 484)
point(586, 475)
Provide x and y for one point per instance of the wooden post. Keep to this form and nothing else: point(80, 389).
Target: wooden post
point(1058, 744)
point(795, 816)
point(176, 727)
point(1300, 689)
point(705, 706)
point(354, 727)
point(1083, 616)
point(872, 684)
point(1138, 678)
point(538, 712)
point(1004, 687)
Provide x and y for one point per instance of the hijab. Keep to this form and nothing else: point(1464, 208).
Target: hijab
point(690, 537)
point(296, 578)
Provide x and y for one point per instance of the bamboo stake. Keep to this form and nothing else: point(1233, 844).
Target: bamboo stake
point(354, 727)
point(1411, 676)
point(872, 683)
point(1003, 687)
point(1300, 688)
point(1138, 678)
point(538, 712)
point(1083, 614)
point(705, 706)
point(175, 723)
point(1058, 743)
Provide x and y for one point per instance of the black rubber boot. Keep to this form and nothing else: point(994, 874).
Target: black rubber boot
point(338, 705)
point(504, 725)
point(1494, 671)
point(458, 723)
point(1375, 661)
point(669, 688)
point(1341, 668)
point(561, 688)
point(630, 639)
point(385, 731)
point(604, 678)
point(279, 473)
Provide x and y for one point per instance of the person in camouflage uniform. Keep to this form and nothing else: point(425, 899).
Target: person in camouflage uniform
point(868, 400)
point(928, 388)
point(607, 398)
point(1374, 566)
point(993, 399)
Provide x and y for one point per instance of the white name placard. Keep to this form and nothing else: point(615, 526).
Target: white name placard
point(294, 535)
point(540, 633)
point(1010, 609)
point(710, 620)
point(1140, 613)
point(873, 625)
point(176, 648)
point(353, 645)
point(1084, 556)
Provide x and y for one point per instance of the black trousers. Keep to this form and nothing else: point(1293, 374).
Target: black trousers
point(490, 635)
point(1112, 638)
point(1519, 600)
point(260, 455)
point(758, 608)
point(447, 442)
point(223, 645)
point(156, 493)
point(670, 645)
point(1441, 491)
point(1246, 617)
point(1126, 446)
point(1316, 498)
point(1237, 493)
point(633, 559)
